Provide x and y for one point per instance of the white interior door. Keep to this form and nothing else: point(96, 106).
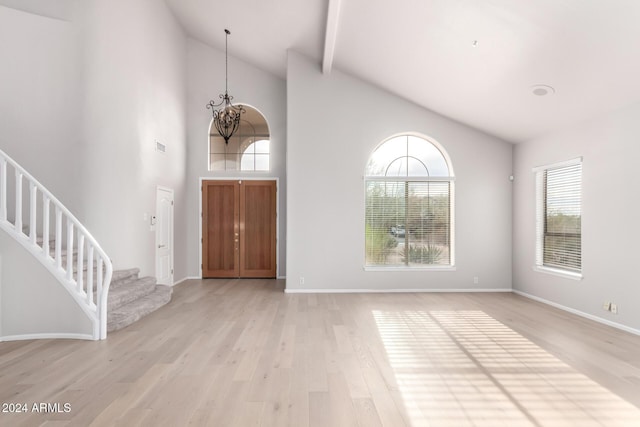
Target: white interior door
point(164, 236)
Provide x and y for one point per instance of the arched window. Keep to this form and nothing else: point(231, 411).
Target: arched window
point(248, 149)
point(409, 204)
point(256, 156)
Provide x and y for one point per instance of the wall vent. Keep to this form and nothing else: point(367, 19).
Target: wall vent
point(160, 147)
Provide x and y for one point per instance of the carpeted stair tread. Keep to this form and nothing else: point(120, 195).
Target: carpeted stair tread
point(119, 274)
point(130, 296)
point(122, 277)
point(135, 310)
point(124, 294)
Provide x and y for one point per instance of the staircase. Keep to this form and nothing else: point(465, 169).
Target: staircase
point(49, 231)
point(132, 297)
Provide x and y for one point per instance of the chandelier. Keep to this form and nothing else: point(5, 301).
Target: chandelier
point(227, 118)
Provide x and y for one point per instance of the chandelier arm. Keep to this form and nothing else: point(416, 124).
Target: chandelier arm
point(212, 105)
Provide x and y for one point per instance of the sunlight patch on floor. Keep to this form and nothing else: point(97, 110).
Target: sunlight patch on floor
point(459, 368)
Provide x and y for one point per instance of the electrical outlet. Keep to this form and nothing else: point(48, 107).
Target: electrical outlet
point(614, 308)
point(475, 280)
point(301, 280)
point(606, 306)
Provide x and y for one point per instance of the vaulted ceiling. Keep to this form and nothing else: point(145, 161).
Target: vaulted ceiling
point(475, 61)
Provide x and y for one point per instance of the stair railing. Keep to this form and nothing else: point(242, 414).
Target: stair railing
point(50, 232)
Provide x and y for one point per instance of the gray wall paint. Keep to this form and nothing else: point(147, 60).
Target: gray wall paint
point(32, 301)
point(40, 81)
point(81, 105)
point(40, 127)
point(134, 62)
point(248, 85)
point(334, 123)
point(610, 150)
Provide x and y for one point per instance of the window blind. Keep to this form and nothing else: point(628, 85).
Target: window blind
point(559, 217)
point(408, 223)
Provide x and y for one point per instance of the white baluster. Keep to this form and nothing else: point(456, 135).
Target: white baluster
point(33, 204)
point(99, 277)
point(46, 202)
point(18, 221)
point(69, 249)
point(3, 189)
point(90, 274)
point(80, 273)
point(58, 237)
point(103, 271)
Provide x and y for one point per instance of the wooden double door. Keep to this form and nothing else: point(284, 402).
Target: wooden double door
point(239, 228)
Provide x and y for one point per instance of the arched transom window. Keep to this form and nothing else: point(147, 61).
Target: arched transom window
point(247, 150)
point(409, 205)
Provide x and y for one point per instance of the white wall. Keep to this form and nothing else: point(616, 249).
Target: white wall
point(334, 123)
point(610, 229)
point(32, 301)
point(134, 63)
point(40, 81)
point(248, 85)
point(81, 105)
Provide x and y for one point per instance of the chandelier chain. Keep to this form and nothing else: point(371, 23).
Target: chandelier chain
point(226, 61)
point(227, 118)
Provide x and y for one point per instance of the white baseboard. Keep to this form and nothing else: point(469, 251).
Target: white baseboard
point(580, 313)
point(281, 277)
point(386, 291)
point(184, 279)
point(48, 336)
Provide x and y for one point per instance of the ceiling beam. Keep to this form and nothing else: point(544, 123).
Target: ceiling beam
point(333, 13)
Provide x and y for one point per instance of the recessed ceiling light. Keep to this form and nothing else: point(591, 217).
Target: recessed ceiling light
point(542, 90)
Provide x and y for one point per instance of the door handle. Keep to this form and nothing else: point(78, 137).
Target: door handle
point(161, 246)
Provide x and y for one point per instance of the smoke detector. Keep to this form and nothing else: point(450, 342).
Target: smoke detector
point(542, 90)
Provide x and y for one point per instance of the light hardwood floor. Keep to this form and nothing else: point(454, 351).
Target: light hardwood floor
point(243, 353)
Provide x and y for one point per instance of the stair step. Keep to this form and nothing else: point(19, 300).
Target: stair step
point(122, 277)
point(135, 310)
point(130, 297)
point(124, 294)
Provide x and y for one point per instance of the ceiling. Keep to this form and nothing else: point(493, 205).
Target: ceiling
point(473, 61)
point(58, 9)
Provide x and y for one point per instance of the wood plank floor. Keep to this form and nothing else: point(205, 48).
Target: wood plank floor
point(243, 353)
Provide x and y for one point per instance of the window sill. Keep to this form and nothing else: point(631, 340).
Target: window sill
point(439, 268)
point(558, 272)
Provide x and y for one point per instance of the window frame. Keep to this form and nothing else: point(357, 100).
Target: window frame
point(412, 179)
point(226, 157)
point(540, 175)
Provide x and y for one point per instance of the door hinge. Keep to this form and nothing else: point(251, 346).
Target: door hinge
point(172, 271)
point(172, 203)
point(201, 241)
